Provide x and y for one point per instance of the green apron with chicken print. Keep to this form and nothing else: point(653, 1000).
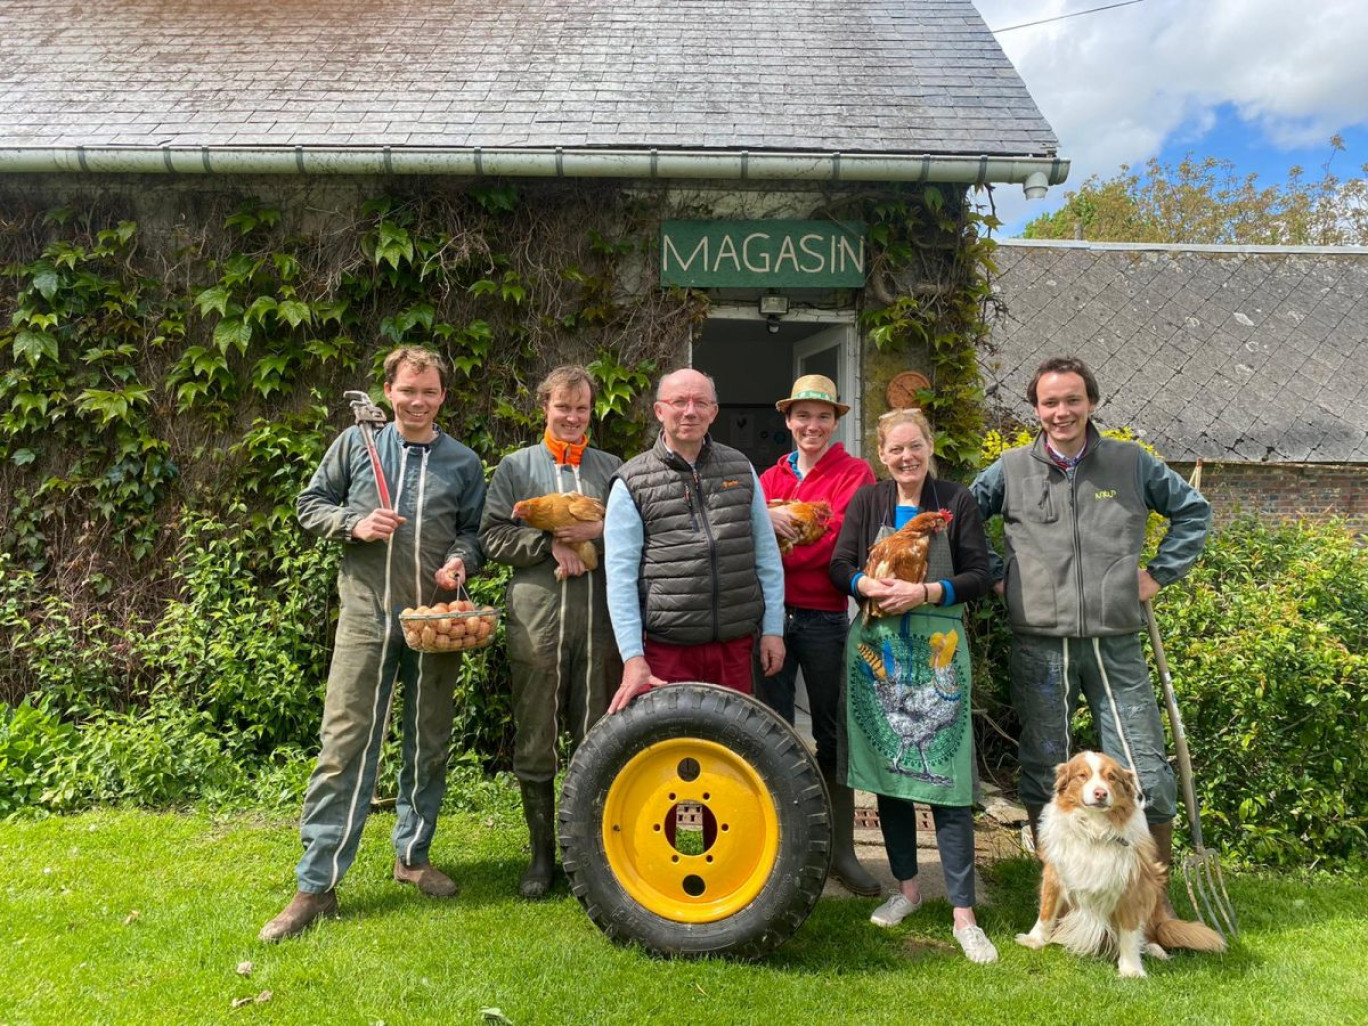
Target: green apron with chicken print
point(908, 724)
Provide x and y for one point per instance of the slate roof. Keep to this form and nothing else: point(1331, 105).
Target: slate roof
point(895, 76)
point(1223, 353)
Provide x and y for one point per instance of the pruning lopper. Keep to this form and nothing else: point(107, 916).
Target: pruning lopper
point(370, 419)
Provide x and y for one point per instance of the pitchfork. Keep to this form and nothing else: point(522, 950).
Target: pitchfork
point(1201, 869)
point(370, 419)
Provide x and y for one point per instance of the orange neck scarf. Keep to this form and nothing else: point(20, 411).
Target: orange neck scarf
point(565, 452)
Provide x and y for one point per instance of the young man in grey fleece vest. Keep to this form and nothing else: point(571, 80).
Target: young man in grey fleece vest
point(1074, 506)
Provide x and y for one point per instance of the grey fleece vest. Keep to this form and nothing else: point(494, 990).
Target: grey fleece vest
point(1073, 545)
point(697, 580)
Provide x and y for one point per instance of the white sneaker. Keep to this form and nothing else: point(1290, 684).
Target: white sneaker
point(977, 947)
point(894, 910)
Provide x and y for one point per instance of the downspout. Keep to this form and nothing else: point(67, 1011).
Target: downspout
point(557, 162)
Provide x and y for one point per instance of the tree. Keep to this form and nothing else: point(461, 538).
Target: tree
point(1207, 201)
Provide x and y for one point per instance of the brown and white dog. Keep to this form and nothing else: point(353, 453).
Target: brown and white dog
point(1103, 887)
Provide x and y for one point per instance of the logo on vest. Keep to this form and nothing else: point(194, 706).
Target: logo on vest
point(730, 483)
point(1108, 494)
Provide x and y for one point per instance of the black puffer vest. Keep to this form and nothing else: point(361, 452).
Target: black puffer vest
point(697, 579)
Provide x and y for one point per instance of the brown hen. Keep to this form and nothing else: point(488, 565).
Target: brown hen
point(812, 518)
point(562, 509)
point(903, 553)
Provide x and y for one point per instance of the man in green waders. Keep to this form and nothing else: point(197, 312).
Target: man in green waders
point(560, 641)
point(414, 553)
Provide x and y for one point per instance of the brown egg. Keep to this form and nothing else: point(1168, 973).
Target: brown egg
point(427, 636)
point(458, 627)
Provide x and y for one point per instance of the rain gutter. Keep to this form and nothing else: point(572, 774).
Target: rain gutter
point(546, 162)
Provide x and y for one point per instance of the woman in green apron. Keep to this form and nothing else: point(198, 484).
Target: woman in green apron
point(908, 736)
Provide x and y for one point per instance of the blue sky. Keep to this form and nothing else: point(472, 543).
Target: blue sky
point(1265, 83)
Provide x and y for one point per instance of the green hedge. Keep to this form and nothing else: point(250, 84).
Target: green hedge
point(1267, 641)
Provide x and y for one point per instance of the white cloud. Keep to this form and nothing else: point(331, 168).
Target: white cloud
point(1118, 85)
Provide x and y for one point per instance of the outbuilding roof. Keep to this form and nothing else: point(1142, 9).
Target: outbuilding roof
point(1240, 354)
point(885, 76)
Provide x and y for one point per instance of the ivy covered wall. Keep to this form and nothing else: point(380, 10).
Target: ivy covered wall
point(173, 353)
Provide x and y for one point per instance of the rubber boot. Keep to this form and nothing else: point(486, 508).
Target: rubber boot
point(845, 867)
point(1033, 821)
point(539, 809)
point(1163, 844)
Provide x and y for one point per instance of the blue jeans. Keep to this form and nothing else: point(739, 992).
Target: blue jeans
point(954, 839)
point(1050, 675)
point(814, 639)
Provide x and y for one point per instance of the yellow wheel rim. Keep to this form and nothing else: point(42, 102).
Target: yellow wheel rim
point(679, 880)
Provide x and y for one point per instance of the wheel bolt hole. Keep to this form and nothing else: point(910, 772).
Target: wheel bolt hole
point(688, 770)
point(694, 886)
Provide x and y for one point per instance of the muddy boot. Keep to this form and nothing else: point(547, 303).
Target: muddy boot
point(539, 809)
point(427, 878)
point(302, 911)
point(845, 867)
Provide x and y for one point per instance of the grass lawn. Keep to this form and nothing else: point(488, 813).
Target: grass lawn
point(136, 917)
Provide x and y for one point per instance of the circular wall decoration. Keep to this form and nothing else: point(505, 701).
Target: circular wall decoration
point(902, 390)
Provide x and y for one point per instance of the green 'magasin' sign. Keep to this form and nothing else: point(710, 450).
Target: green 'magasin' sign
point(762, 254)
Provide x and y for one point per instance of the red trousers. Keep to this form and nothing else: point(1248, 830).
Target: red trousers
point(715, 662)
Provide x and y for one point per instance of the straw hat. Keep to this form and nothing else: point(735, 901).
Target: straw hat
point(817, 388)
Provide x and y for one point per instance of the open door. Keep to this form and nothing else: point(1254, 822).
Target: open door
point(828, 353)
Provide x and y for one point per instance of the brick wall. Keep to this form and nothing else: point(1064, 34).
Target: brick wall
point(1285, 491)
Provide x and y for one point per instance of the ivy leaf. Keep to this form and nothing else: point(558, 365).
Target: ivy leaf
point(111, 406)
point(46, 280)
point(232, 331)
point(394, 244)
point(22, 457)
point(331, 311)
point(34, 345)
point(215, 298)
point(260, 307)
point(27, 401)
point(286, 266)
point(294, 312)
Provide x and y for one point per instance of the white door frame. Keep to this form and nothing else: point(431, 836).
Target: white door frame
point(848, 431)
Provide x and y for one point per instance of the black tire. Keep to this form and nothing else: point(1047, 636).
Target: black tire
point(749, 732)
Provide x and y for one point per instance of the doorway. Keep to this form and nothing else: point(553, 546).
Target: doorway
point(755, 366)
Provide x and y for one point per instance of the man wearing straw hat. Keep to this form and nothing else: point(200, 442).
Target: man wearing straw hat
point(815, 611)
point(396, 554)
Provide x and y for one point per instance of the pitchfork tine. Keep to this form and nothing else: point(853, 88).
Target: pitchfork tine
point(1208, 869)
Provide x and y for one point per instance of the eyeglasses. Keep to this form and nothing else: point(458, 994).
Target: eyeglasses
point(681, 405)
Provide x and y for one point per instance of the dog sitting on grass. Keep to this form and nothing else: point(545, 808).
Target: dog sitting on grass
point(1103, 888)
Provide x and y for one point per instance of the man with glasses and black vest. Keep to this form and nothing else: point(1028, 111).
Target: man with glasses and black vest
point(693, 566)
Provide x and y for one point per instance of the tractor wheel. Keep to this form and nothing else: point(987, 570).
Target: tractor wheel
point(695, 822)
